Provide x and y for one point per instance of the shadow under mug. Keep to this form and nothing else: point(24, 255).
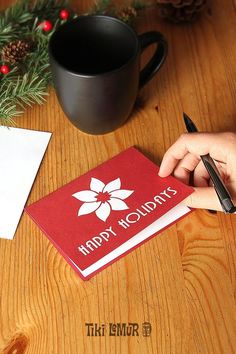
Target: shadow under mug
point(95, 63)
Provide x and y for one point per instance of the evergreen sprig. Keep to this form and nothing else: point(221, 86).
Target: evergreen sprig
point(27, 81)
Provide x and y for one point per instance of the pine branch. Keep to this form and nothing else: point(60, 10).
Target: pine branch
point(19, 89)
point(19, 19)
point(47, 8)
point(28, 80)
point(101, 6)
point(8, 108)
point(12, 21)
point(20, 92)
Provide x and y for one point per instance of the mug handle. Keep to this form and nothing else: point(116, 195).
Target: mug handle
point(158, 57)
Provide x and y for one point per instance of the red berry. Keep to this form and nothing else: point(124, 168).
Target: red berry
point(47, 26)
point(4, 69)
point(64, 14)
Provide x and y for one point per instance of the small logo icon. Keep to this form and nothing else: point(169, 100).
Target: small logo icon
point(102, 198)
point(146, 329)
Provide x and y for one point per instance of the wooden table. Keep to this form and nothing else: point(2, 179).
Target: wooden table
point(183, 281)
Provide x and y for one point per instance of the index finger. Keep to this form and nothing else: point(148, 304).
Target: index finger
point(197, 144)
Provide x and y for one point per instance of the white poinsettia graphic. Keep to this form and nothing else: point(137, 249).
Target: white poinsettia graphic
point(102, 198)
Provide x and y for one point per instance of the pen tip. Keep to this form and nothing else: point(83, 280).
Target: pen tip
point(186, 118)
point(191, 127)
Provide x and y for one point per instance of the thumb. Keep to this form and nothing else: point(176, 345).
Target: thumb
point(203, 198)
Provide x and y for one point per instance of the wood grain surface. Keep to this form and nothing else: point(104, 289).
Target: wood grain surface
point(183, 282)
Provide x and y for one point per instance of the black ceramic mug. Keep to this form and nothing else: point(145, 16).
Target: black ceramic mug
point(95, 63)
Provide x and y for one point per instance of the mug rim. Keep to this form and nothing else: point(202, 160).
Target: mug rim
point(84, 17)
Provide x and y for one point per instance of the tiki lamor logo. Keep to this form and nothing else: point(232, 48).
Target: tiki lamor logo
point(146, 329)
point(102, 198)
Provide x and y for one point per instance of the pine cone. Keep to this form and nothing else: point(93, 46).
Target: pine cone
point(180, 10)
point(127, 14)
point(15, 51)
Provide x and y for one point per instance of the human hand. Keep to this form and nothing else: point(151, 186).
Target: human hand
point(183, 158)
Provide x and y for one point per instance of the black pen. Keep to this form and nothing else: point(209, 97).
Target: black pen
point(220, 188)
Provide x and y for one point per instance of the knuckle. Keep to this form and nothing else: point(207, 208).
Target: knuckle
point(230, 139)
point(230, 136)
point(183, 136)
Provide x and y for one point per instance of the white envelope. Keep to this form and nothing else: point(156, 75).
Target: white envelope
point(21, 152)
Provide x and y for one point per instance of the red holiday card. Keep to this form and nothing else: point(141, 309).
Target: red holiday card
point(112, 209)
